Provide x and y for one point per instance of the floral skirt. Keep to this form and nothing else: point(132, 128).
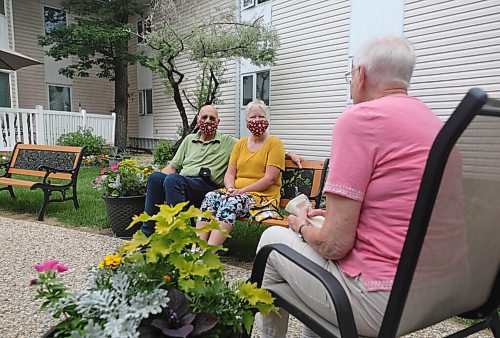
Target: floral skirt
point(226, 208)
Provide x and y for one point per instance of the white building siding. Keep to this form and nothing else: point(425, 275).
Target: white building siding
point(166, 116)
point(308, 91)
point(457, 45)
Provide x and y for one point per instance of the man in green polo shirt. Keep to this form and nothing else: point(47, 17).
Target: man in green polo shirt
point(180, 180)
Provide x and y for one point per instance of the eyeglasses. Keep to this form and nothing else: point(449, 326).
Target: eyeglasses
point(348, 76)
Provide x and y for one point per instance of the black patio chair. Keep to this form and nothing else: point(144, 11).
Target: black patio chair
point(450, 261)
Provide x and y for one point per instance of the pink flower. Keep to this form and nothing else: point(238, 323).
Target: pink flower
point(103, 171)
point(113, 167)
point(61, 267)
point(51, 265)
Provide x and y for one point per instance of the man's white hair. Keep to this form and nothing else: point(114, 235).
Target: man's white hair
point(388, 60)
point(259, 104)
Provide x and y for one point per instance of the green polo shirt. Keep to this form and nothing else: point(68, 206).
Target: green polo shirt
point(214, 154)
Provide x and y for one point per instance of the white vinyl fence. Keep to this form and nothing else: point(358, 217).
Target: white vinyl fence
point(39, 126)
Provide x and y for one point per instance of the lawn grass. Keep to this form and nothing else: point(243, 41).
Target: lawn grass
point(92, 212)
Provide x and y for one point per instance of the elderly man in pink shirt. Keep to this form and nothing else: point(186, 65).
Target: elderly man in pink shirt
point(379, 150)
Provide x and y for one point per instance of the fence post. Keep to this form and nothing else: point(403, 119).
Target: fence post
point(40, 126)
point(84, 115)
point(113, 129)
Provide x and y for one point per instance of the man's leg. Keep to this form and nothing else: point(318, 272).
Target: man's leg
point(180, 188)
point(154, 195)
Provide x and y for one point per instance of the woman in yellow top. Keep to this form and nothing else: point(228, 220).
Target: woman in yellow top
point(253, 175)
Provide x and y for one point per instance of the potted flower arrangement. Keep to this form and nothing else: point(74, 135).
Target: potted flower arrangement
point(155, 287)
point(124, 188)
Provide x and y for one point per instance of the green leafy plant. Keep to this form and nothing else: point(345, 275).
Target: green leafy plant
point(163, 152)
point(83, 137)
point(157, 287)
point(126, 178)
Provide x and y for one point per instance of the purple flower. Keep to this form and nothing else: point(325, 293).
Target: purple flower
point(33, 282)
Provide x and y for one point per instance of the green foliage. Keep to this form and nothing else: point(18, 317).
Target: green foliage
point(83, 137)
point(244, 240)
point(98, 37)
point(139, 284)
point(163, 152)
point(126, 178)
point(209, 44)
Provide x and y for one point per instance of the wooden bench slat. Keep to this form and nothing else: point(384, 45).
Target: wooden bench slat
point(37, 173)
point(16, 182)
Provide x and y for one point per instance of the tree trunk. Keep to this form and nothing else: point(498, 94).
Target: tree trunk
point(121, 104)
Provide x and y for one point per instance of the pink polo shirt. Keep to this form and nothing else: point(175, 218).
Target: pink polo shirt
point(378, 154)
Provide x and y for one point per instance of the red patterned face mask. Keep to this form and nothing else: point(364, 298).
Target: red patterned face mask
point(208, 127)
point(257, 127)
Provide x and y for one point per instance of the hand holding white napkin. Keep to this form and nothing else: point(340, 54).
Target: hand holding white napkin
point(298, 203)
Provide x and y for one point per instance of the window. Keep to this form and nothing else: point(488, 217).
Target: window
point(146, 102)
point(53, 18)
point(59, 98)
point(2, 8)
point(5, 90)
point(142, 27)
point(250, 3)
point(255, 86)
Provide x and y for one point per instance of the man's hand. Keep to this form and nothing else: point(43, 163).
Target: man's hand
point(169, 170)
point(295, 158)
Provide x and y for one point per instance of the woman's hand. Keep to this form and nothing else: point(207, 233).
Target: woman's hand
point(234, 191)
point(294, 222)
point(316, 212)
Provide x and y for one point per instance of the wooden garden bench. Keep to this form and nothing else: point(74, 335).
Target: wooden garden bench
point(309, 181)
point(47, 163)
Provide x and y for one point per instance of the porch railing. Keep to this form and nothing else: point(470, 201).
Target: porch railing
point(39, 126)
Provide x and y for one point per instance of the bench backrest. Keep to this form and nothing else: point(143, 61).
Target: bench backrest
point(309, 181)
point(26, 158)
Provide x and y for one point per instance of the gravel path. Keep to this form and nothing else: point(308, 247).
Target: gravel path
point(24, 244)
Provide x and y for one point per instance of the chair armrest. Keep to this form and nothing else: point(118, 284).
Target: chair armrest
point(337, 293)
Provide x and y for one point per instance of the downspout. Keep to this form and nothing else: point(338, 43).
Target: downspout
point(237, 79)
point(13, 82)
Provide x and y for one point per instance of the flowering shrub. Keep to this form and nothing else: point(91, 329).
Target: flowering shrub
point(126, 178)
point(96, 160)
point(157, 287)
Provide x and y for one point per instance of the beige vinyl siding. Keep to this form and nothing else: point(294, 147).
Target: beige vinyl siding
point(27, 26)
point(457, 45)
point(308, 90)
point(95, 95)
point(166, 115)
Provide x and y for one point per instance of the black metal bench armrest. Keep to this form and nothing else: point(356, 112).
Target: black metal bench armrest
point(337, 293)
point(4, 164)
point(51, 170)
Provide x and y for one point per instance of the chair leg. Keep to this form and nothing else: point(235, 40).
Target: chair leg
point(11, 191)
point(495, 325)
point(46, 197)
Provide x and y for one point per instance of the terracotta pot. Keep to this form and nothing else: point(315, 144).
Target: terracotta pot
point(120, 213)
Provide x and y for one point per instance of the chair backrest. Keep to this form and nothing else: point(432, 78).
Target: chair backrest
point(309, 180)
point(451, 257)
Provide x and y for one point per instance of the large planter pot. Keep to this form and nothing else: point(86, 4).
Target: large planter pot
point(120, 213)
